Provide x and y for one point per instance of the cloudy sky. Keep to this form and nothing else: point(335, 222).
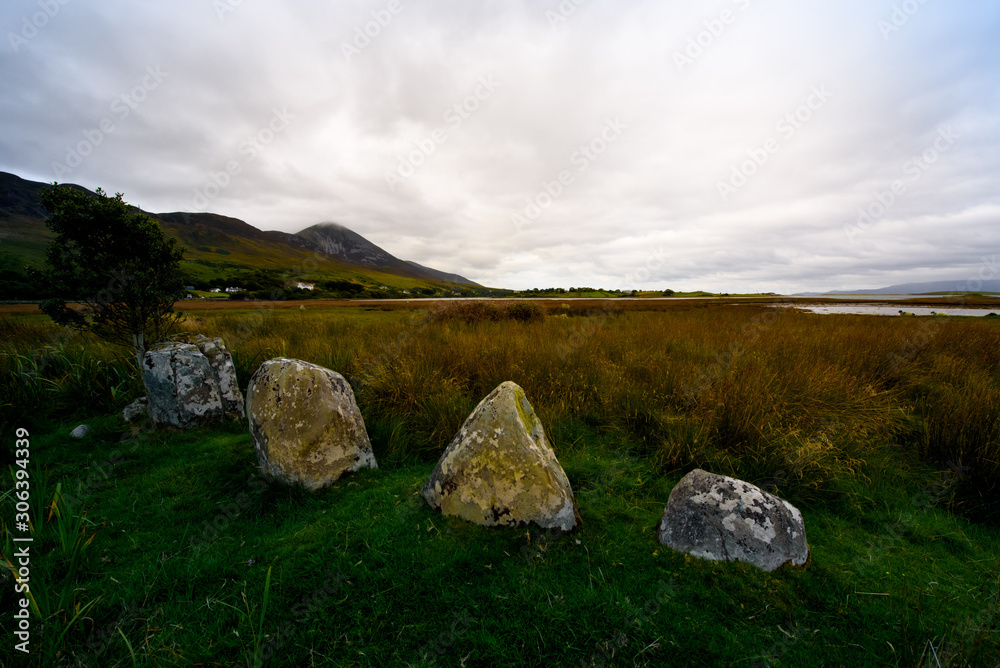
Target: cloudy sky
point(728, 145)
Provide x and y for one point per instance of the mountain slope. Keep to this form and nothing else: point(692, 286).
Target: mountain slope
point(223, 246)
point(23, 235)
point(343, 244)
point(440, 275)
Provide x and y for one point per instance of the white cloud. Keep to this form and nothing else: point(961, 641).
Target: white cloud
point(653, 191)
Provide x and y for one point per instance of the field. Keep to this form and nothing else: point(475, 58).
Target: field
point(164, 549)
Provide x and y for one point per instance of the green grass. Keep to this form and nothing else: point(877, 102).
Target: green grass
point(366, 574)
point(905, 556)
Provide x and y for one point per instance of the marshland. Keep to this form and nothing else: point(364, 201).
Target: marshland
point(167, 548)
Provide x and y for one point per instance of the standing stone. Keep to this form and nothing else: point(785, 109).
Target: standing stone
point(499, 470)
point(305, 424)
point(81, 432)
point(135, 410)
point(724, 519)
point(191, 381)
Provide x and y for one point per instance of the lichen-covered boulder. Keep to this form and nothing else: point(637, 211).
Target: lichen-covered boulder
point(500, 470)
point(190, 381)
point(724, 519)
point(305, 424)
point(135, 410)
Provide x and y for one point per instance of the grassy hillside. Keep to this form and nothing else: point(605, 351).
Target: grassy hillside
point(853, 419)
point(217, 247)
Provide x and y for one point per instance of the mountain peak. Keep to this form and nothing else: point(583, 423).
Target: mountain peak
point(211, 239)
point(341, 243)
point(325, 225)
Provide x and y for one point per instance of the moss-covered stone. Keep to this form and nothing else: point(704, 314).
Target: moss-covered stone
point(500, 470)
point(305, 424)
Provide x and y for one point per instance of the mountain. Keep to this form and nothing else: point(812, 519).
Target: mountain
point(219, 246)
point(23, 235)
point(965, 285)
point(339, 242)
point(440, 275)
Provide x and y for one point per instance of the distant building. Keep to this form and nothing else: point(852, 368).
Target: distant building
point(189, 287)
point(231, 290)
point(305, 286)
point(216, 290)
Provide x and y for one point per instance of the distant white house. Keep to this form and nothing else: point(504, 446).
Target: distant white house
point(234, 289)
point(406, 292)
point(305, 286)
point(216, 290)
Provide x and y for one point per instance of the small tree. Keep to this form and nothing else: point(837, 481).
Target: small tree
point(114, 260)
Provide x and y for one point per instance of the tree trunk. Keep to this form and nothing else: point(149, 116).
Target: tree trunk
point(139, 348)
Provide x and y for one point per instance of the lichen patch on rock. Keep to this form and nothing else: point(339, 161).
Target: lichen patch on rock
point(191, 381)
point(500, 469)
point(721, 518)
point(305, 424)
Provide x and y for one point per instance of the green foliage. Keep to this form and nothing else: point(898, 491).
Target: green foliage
point(256, 630)
point(19, 286)
point(46, 374)
point(342, 286)
point(115, 261)
point(58, 552)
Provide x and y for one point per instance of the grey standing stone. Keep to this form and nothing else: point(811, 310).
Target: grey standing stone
point(305, 424)
point(724, 519)
point(191, 381)
point(135, 410)
point(500, 470)
point(81, 432)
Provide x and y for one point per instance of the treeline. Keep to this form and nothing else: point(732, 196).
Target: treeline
point(259, 284)
point(584, 290)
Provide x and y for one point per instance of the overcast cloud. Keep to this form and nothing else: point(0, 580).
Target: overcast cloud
point(724, 145)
